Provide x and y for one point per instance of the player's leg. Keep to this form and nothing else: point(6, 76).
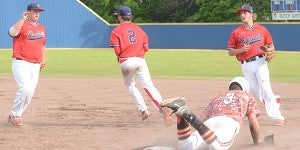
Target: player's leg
point(207, 134)
point(146, 81)
point(271, 105)
point(188, 140)
point(128, 70)
point(144, 77)
point(184, 112)
point(22, 76)
point(134, 92)
point(249, 72)
point(34, 70)
point(225, 128)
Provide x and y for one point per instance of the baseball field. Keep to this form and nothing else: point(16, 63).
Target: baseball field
point(81, 102)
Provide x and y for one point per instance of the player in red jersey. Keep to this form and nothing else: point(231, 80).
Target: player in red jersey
point(29, 38)
point(244, 43)
point(220, 121)
point(130, 44)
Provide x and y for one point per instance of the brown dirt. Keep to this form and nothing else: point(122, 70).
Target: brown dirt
point(97, 113)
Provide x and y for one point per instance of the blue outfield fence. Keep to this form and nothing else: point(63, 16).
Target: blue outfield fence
point(70, 24)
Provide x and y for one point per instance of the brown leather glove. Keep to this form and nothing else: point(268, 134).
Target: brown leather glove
point(269, 51)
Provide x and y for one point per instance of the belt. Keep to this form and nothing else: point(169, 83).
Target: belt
point(252, 59)
point(27, 61)
point(121, 60)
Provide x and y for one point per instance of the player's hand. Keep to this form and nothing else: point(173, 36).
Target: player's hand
point(245, 47)
point(25, 15)
point(43, 65)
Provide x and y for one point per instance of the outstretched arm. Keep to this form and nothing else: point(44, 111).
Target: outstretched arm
point(254, 127)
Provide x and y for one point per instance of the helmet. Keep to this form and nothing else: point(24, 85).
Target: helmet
point(242, 82)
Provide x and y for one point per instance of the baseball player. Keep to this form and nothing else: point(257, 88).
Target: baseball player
point(29, 38)
point(245, 43)
point(130, 44)
point(220, 121)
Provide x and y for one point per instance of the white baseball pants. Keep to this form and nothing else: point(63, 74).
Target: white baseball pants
point(225, 129)
point(257, 74)
point(138, 66)
point(26, 75)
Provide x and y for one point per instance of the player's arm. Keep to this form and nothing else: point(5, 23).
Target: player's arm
point(145, 43)
point(15, 29)
point(117, 50)
point(114, 42)
point(43, 63)
point(234, 52)
point(234, 45)
point(146, 47)
point(254, 127)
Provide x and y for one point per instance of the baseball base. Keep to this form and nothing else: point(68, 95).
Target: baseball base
point(269, 140)
point(158, 148)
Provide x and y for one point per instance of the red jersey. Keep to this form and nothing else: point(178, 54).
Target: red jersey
point(30, 42)
point(235, 104)
point(255, 37)
point(129, 40)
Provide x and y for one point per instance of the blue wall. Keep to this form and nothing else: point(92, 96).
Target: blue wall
point(285, 36)
point(70, 24)
point(189, 36)
point(215, 36)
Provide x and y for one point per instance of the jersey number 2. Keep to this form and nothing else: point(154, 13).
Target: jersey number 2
point(131, 36)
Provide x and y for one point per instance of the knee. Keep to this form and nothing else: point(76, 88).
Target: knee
point(129, 83)
point(25, 92)
point(257, 96)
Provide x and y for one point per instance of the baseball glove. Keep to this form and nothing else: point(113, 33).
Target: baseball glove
point(269, 51)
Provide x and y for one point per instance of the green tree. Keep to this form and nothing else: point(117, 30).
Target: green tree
point(179, 11)
point(105, 8)
point(146, 11)
point(215, 11)
point(164, 11)
point(224, 10)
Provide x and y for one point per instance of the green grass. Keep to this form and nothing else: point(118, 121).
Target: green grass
point(188, 64)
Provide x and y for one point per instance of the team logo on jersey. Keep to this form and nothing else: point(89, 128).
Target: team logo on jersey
point(252, 39)
point(35, 36)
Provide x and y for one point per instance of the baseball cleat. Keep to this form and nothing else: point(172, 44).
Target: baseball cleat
point(184, 112)
point(173, 103)
point(145, 115)
point(279, 122)
point(9, 118)
point(16, 120)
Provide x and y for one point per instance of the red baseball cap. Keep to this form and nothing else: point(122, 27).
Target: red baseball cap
point(245, 8)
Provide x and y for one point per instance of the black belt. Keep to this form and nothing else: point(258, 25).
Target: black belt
point(252, 59)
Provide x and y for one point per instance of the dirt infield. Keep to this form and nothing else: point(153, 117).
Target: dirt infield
point(98, 114)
